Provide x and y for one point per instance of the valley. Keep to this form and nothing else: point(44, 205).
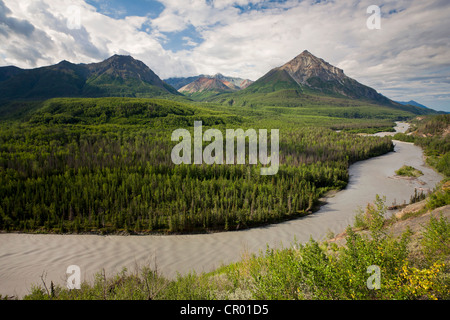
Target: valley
point(87, 177)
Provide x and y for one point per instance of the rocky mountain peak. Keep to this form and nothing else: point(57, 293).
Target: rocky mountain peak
point(306, 65)
point(125, 67)
point(205, 84)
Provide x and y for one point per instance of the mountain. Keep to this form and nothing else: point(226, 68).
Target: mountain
point(118, 75)
point(9, 72)
point(412, 103)
point(308, 73)
point(313, 86)
point(208, 84)
point(306, 82)
point(178, 83)
point(124, 68)
point(237, 82)
point(205, 87)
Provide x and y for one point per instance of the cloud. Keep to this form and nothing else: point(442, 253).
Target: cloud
point(169, 22)
point(21, 40)
point(9, 24)
point(408, 56)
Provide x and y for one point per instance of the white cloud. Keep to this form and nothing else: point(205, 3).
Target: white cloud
point(169, 22)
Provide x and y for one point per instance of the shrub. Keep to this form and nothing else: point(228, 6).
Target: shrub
point(276, 275)
point(436, 239)
point(373, 217)
point(438, 199)
point(414, 283)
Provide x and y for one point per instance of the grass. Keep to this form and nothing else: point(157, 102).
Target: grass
point(409, 171)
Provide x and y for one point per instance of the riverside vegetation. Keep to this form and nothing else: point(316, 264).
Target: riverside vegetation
point(432, 134)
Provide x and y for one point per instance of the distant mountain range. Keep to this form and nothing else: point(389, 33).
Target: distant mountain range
point(231, 83)
point(306, 79)
point(207, 86)
point(412, 103)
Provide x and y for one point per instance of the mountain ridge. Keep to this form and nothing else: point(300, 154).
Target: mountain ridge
point(118, 75)
point(305, 81)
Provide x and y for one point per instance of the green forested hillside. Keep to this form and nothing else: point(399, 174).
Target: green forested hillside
point(307, 102)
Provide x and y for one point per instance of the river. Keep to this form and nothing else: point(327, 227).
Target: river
point(24, 258)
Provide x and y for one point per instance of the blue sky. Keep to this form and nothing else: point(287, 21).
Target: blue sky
point(407, 59)
point(119, 9)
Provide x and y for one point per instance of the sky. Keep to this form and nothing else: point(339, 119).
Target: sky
point(406, 58)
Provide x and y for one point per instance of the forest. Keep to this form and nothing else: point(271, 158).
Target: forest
point(104, 166)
